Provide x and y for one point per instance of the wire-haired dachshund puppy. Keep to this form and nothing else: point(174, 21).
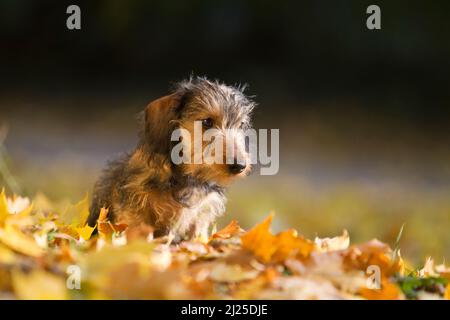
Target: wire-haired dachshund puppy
point(182, 200)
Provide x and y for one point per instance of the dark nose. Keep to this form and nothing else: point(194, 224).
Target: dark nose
point(236, 168)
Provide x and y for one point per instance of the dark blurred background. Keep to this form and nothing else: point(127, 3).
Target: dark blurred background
point(363, 115)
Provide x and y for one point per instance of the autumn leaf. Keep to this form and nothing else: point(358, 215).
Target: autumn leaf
point(4, 213)
point(443, 271)
point(38, 285)
point(6, 255)
point(37, 245)
point(388, 291)
point(222, 272)
point(249, 289)
point(18, 241)
point(103, 216)
point(260, 241)
point(76, 215)
point(270, 248)
point(105, 227)
point(333, 244)
point(198, 248)
point(373, 253)
point(428, 269)
point(85, 232)
point(98, 265)
point(289, 244)
point(19, 205)
point(231, 230)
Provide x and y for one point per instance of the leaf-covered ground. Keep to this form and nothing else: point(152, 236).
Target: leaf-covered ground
point(46, 254)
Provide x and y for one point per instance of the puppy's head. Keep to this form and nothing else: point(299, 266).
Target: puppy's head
point(210, 120)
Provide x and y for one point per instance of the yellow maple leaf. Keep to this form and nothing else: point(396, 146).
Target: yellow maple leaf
point(38, 285)
point(98, 265)
point(269, 248)
point(4, 213)
point(18, 241)
point(85, 232)
point(76, 215)
point(447, 292)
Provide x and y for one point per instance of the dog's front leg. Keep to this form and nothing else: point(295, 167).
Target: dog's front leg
point(201, 231)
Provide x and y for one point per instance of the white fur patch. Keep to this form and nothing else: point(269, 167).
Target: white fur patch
point(199, 217)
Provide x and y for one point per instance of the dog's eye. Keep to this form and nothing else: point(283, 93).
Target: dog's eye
point(207, 123)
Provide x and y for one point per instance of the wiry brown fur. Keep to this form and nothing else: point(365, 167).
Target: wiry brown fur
point(145, 187)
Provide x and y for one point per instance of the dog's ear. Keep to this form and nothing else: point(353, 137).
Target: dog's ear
point(158, 122)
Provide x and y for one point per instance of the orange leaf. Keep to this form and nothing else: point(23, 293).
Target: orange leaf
point(103, 216)
point(289, 244)
point(106, 227)
point(270, 248)
point(388, 291)
point(227, 232)
point(373, 253)
point(260, 241)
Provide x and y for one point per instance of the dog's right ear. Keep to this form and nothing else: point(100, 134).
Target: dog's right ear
point(157, 121)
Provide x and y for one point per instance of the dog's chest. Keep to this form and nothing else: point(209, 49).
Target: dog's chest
point(200, 210)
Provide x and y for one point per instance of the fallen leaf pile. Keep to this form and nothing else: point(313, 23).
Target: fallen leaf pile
point(45, 254)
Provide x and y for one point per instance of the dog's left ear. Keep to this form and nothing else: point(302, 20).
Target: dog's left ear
point(158, 117)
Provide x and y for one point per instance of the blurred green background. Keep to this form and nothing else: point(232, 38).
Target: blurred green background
point(364, 116)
